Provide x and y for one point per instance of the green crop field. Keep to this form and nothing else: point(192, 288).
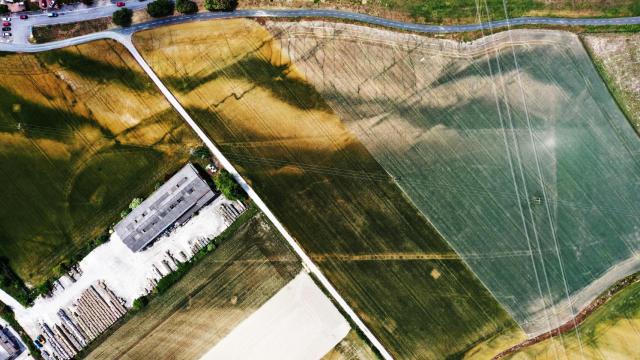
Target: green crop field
point(220, 291)
point(529, 169)
point(335, 199)
point(82, 131)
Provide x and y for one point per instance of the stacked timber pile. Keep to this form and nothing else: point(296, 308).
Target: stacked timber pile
point(93, 312)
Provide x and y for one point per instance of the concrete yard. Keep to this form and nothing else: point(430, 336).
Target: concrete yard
point(299, 322)
point(127, 273)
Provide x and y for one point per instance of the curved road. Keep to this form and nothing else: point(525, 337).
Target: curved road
point(22, 28)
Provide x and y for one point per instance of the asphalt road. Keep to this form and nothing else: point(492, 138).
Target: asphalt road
point(22, 28)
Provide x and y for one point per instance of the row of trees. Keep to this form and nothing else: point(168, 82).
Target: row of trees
point(161, 8)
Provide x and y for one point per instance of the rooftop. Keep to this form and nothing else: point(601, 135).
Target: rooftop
point(175, 201)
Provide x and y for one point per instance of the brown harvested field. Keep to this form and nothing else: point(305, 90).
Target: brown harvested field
point(324, 186)
point(220, 291)
point(617, 57)
point(352, 347)
point(82, 132)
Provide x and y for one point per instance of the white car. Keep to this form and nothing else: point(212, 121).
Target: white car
point(6, 34)
point(6, 19)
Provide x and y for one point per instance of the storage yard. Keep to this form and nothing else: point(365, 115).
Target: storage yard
point(324, 186)
point(82, 132)
point(224, 288)
point(97, 292)
point(539, 197)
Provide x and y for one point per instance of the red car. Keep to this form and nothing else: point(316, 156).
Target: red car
point(6, 23)
point(24, 17)
point(120, 4)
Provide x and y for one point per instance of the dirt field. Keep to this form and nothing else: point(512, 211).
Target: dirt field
point(503, 147)
point(220, 291)
point(298, 322)
point(618, 59)
point(82, 132)
point(324, 186)
point(352, 347)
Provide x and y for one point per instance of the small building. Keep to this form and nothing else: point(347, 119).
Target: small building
point(173, 203)
point(10, 347)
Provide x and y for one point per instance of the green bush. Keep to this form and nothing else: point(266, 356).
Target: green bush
point(160, 8)
point(140, 302)
point(201, 152)
point(220, 5)
point(4, 9)
point(122, 17)
point(228, 185)
point(187, 7)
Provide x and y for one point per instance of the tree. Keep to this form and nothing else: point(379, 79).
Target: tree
point(122, 17)
point(201, 152)
point(140, 302)
point(135, 202)
point(635, 8)
point(87, 2)
point(160, 8)
point(4, 9)
point(186, 7)
point(220, 5)
point(228, 186)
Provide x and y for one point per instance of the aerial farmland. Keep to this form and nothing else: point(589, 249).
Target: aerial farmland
point(325, 187)
point(511, 146)
point(221, 291)
point(78, 143)
point(406, 180)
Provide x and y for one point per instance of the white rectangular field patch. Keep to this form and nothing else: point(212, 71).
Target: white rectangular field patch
point(298, 322)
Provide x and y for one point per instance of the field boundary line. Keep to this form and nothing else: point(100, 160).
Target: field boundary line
point(311, 266)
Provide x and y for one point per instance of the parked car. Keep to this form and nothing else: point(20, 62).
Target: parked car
point(6, 28)
point(52, 14)
point(6, 19)
point(120, 4)
point(6, 23)
point(6, 34)
point(24, 17)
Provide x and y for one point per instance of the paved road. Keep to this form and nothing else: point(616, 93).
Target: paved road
point(22, 28)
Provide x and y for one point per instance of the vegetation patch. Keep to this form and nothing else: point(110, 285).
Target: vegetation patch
point(47, 33)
